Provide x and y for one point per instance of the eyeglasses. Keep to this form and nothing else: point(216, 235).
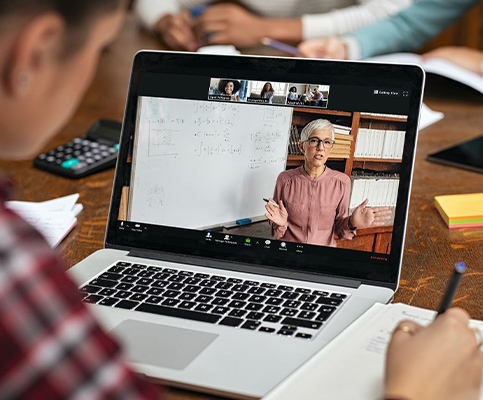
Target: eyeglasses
point(314, 142)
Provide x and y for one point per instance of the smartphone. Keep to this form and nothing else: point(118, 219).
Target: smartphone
point(92, 152)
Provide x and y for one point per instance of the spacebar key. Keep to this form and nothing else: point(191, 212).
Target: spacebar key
point(178, 313)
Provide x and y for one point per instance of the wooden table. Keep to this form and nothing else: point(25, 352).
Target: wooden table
point(430, 250)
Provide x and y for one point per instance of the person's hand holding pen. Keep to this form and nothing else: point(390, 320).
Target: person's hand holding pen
point(440, 362)
point(331, 48)
point(176, 31)
point(276, 212)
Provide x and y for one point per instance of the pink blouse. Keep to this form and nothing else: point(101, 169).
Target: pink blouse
point(317, 208)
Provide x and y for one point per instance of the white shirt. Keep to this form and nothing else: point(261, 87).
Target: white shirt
point(320, 18)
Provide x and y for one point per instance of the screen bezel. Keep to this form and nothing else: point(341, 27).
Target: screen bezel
point(406, 77)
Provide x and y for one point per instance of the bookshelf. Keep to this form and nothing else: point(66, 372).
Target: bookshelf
point(376, 239)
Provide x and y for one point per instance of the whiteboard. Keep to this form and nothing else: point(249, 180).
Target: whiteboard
point(198, 164)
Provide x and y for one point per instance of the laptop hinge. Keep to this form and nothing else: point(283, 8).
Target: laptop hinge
point(246, 268)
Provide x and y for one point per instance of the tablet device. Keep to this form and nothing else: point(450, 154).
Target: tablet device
point(467, 155)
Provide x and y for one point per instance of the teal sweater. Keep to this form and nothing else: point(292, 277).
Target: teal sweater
point(411, 28)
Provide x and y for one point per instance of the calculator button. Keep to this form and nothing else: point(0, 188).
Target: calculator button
point(70, 163)
point(94, 144)
point(116, 146)
point(42, 156)
point(86, 142)
point(79, 166)
point(77, 153)
point(89, 160)
point(97, 157)
point(60, 148)
point(50, 159)
point(105, 154)
point(88, 154)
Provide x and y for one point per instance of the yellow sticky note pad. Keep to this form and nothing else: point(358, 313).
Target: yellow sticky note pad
point(461, 206)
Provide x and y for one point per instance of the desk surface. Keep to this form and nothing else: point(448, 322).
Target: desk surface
point(430, 249)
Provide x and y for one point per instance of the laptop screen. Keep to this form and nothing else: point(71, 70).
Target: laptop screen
point(260, 162)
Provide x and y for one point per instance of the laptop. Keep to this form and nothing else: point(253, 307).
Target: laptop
point(192, 280)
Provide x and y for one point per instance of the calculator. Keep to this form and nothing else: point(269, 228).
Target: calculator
point(93, 152)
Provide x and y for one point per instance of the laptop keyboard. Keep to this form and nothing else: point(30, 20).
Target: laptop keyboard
point(216, 299)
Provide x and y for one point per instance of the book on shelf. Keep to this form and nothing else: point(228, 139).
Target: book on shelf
point(437, 66)
point(351, 366)
point(379, 143)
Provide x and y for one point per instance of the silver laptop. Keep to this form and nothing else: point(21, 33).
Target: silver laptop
point(191, 280)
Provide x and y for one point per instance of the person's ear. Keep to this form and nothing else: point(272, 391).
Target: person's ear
point(301, 147)
point(33, 52)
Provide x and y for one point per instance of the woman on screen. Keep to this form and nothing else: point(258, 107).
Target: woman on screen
point(267, 92)
point(311, 203)
point(230, 88)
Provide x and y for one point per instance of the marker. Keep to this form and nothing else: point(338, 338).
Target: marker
point(280, 46)
point(458, 272)
point(215, 228)
point(243, 221)
point(197, 11)
point(271, 202)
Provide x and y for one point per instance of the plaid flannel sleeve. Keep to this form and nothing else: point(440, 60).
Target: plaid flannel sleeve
point(50, 345)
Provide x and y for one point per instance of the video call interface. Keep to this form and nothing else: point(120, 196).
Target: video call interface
point(211, 165)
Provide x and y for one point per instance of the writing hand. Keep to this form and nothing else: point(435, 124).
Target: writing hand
point(332, 48)
point(228, 24)
point(440, 362)
point(465, 57)
point(176, 31)
point(363, 217)
point(278, 215)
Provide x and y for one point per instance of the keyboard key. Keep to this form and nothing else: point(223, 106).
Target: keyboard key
point(220, 301)
point(207, 291)
point(186, 273)
point(257, 290)
point(255, 315)
point(302, 323)
point(191, 289)
point(218, 278)
point(127, 304)
point(177, 312)
point(309, 306)
point(93, 298)
point(328, 301)
point(139, 288)
point(170, 271)
point(204, 307)
point(220, 310)
point(266, 329)
point(285, 332)
point(257, 299)
point(251, 283)
point(103, 283)
point(303, 335)
point(320, 293)
point(122, 294)
point(187, 296)
point(237, 304)
point(223, 293)
point(154, 299)
point(307, 298)
point(123, 264)
point(285, 288)
point(290, 312)
point(291, 304)
point(145, 281)
point(129, 279)
point(273, 293)
point(175, 286)
point(90, 289)
point(237, 313)
point(170, 302)
point(224, 285)
point(110, 276)
point(108, 301)
point(234, 280)
point(268, 285)
point(274, 301)
point(171, 293)
point(251, 325)
point(240, 288)
point(204, 299)
point(306, 315)
point(208, 283)
point(271, 309)
point(176, 278)
point(187, 304)
point(116, 269)
point(138, 297)
point(272, 318)
point(155, 291)
point(192, 281)
point(240, 296)
point(124, 286)
point(202, 276)
point(302, 290)
point(159, 283)
point(230, 321)
point(338, 296)
point(290, 295)
point(253, 306)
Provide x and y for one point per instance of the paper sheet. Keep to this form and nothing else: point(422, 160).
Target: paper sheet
point(352, 365)
point(54, 219)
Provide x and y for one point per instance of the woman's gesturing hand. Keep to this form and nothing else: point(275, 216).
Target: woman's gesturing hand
point(363, 217)
point(276, 213)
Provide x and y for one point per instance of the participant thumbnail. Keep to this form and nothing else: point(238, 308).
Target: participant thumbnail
point(228, 89)
point(308, 95)
point(266, 92)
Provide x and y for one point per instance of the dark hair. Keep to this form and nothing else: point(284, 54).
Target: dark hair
point(223, 82)
point(265, 91)
point(76, 13)
point(293, 87)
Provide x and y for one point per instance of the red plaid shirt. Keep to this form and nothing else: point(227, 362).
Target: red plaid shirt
point(50, 345)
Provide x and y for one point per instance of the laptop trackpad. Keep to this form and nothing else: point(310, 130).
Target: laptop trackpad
point(161, 345)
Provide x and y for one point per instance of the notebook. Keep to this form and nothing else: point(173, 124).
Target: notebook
point(191, 280)
point(461, 210)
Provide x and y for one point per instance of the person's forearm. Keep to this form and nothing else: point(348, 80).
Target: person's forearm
point(411, 28)
point(345, 20)
point(285, 30)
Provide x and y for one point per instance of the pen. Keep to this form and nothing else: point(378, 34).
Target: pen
point(459, 270)
point(271, 202)
point(280, 46)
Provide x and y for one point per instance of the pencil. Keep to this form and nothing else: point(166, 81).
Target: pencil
point(280, 46)
point(448, 296)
